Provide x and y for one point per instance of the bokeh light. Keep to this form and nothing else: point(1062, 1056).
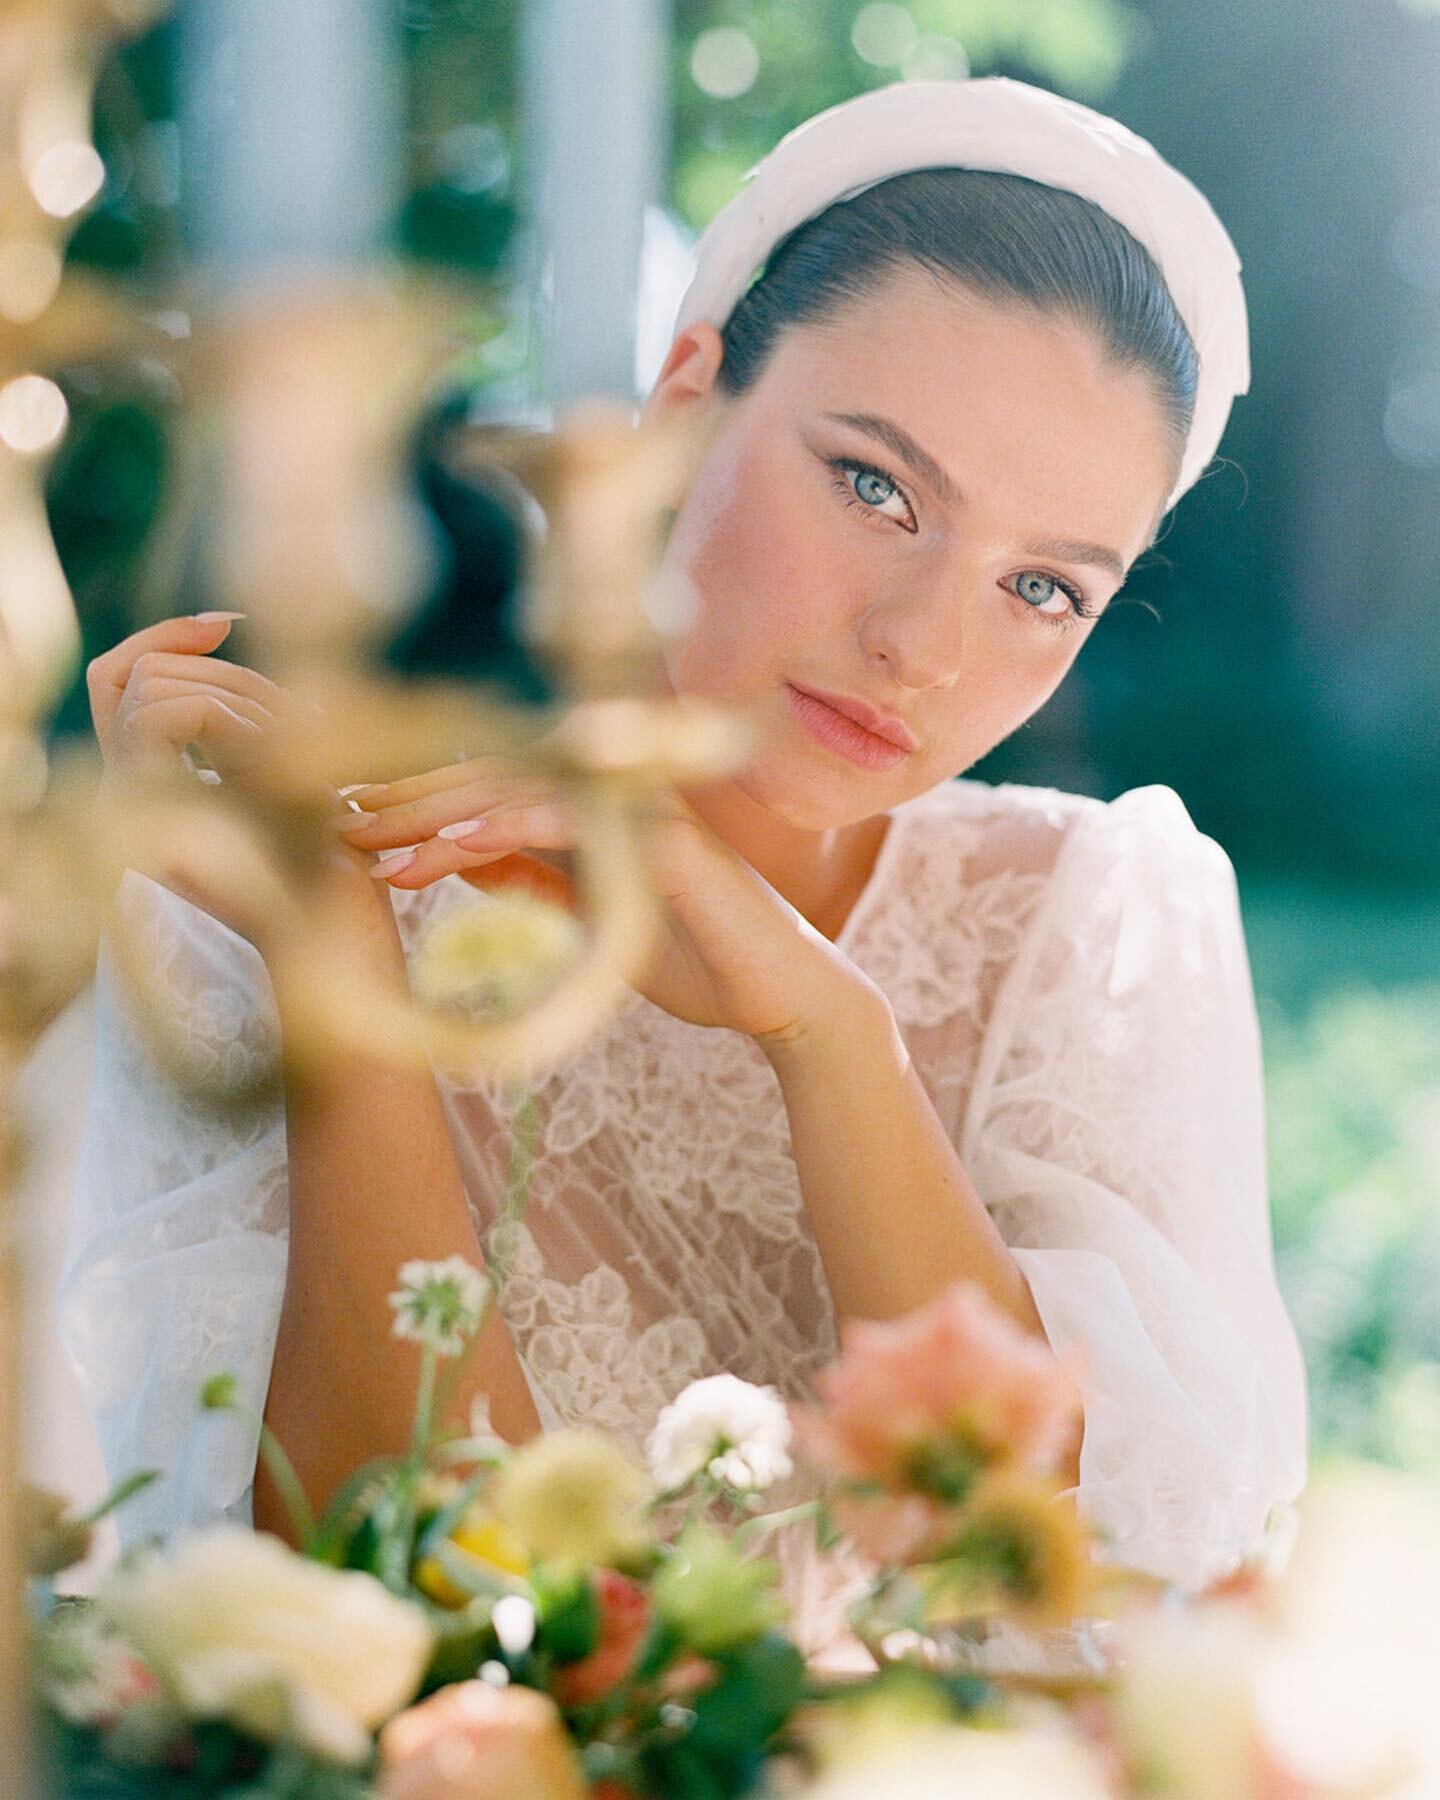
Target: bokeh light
point(33, 414)
point(66, 177)
point(884, 34)
point(936, 58)
point(724, 62)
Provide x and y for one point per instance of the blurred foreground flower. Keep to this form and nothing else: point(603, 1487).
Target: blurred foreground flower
point(711, 1596)
point(573, 1497)
point(476, 1742)
point(923, 1403)
point(960, 1762)
point(1320, 1685)
point(237, 1627)
point(52, 1537)
point(1017, 1549)
point(737, 1432)
point(481, 1538)
point(499, 955)
point(87, 1672)
point(624, 1622)
point(439, 1304)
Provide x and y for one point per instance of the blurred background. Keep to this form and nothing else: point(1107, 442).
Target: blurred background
point(1277, 660)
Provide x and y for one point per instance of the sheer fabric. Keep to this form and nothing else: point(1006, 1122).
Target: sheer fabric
point(1070, 977)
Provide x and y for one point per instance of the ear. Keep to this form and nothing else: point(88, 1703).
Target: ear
point(687, 376)
point(686, 385)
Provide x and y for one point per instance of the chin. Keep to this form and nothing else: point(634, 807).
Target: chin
point(807, 800)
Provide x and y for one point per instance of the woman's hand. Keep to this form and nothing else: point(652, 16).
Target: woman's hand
point(160, 690)
point(732, 951)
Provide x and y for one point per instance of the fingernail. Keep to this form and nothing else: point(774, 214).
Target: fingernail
point(392, 862)
point(210, 618)
point(462, 828)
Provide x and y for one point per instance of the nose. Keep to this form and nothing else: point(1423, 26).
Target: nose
point(915, 640)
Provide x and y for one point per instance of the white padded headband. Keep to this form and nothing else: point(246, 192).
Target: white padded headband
point(996, 123)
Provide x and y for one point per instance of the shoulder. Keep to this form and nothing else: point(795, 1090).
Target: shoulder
point(1142, 834)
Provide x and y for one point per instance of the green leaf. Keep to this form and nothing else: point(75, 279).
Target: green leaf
point(568, 1613)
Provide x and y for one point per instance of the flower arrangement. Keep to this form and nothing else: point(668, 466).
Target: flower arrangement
point(557, 1618)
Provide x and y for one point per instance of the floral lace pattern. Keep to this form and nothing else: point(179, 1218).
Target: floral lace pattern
point(1070, 980)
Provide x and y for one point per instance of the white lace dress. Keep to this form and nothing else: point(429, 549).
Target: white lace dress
point(1071, 979)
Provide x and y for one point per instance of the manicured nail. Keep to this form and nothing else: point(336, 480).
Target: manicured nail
point(210, 618)
point(462, 828)
point(392, 862)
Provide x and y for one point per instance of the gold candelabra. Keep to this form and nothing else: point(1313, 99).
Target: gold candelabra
point(313, 385)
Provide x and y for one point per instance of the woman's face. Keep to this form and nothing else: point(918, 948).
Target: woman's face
point(901, 512)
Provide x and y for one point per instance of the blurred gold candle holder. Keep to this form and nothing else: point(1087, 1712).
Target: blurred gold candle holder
point(601, 487)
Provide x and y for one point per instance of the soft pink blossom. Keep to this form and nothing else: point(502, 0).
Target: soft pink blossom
point(957, 1373)
point(476, 1742)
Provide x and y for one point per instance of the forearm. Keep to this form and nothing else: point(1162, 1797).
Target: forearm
point(374, 1181)
point(895, 1216)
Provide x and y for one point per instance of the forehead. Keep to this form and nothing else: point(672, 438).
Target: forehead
point(1021, 407)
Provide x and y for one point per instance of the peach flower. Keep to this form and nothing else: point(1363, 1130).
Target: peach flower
point(624, 1621)
point(923, 1402)
point(476, 1742)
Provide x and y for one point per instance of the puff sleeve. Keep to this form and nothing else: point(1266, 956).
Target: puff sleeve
point(1116, 1132)
point(176, 1252)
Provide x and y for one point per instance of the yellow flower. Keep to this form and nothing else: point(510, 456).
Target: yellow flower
point(500, 954)
point(1016, 1550)
point(572, 1497)
point(489, 1541)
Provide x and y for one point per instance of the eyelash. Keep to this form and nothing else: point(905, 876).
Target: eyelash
point(842, 466)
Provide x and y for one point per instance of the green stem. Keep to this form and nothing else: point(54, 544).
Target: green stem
point(424, 1406)
point(764, 1522)
point(500, 1250)
point(282, 1472)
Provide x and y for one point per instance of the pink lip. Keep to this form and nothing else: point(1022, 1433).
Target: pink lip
point(841, 735)
point(881, 724)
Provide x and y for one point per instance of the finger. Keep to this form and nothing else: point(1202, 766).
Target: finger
point(107, 674)
point(212, 669)
point(544, 827)
point(160, 731)
point(415, 820)
point(379, 794)
point(153, 688)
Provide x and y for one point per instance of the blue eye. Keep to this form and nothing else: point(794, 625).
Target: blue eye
point(1049, 592)
point(1041, 592)
point(869, 489)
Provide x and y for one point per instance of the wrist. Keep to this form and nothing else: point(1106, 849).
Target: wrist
point(849, 1005)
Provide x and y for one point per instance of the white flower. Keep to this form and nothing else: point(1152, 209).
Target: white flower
point(736, 1430)
point(238, 1627)
point(439, 1303)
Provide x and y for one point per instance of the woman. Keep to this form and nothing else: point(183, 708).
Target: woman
point(901, 1028)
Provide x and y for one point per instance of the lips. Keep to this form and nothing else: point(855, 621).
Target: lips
point(883, 725)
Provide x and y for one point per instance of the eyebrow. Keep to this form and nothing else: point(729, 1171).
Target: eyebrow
point(896, 439)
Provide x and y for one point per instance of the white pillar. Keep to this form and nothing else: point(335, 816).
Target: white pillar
point(595, 108)
point(292, 126)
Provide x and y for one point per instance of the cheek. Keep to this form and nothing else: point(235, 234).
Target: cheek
point(1010, 672)
point(767, 577)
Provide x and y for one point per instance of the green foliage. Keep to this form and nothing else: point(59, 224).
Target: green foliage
point(210, 1759)
point(806, 58)
point(1354, 1108)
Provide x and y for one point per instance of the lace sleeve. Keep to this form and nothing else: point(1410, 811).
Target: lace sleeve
point(175, 1264)
point(1116, 1131)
